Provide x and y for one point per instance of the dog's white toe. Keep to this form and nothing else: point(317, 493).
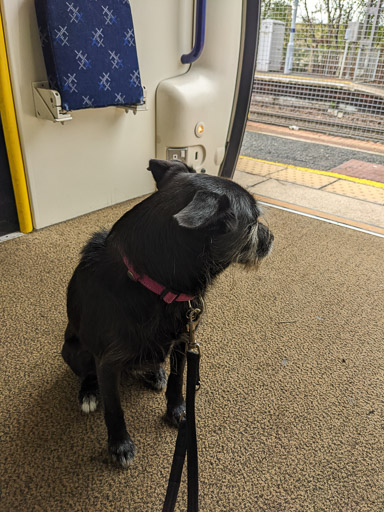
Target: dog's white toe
point(89, 404)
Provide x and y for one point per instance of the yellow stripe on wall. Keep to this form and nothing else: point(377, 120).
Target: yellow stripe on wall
point(12, 140)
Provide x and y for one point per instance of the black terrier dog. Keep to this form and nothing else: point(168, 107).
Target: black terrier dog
point(128, 298)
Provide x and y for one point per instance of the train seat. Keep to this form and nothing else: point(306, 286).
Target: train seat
point(89, 50)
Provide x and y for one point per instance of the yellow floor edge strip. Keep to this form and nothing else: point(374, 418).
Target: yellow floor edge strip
point(12, 140)
point(376, 184)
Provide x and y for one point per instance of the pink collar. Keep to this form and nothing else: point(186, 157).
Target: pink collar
point(167, 295)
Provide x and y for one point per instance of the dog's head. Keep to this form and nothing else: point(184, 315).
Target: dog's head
point(217, 209)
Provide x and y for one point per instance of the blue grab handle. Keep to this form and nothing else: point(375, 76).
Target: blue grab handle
point(201, 9)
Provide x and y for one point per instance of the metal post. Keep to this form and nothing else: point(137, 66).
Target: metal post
point(291, 45)
point(344, 59)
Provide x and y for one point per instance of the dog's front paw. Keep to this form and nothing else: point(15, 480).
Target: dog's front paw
point(174, 415)
point(122, 452)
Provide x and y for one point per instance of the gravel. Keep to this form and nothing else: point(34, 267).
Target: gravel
point(302, 154)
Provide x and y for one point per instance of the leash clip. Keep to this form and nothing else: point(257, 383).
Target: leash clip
point(193, 315)
point(193, 346)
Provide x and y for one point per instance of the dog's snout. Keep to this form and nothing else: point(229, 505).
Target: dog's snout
point(258, 246)
point(265, 240)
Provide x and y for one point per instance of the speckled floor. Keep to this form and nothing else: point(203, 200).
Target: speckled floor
point(290, 413)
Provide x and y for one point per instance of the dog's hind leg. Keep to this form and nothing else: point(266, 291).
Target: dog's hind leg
point(155, 379)
point(89, 394)
point(174, 393)
point(82, 363)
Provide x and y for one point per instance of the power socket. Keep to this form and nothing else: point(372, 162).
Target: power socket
point(194, 156)
point(177, 154)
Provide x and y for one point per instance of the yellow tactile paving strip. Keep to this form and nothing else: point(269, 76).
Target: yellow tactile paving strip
point(356, 190)
point(256, 167)
point(303, 178)
point(279, 166)
point(265, 168)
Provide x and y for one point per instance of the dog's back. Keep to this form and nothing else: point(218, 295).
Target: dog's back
point(91, 251)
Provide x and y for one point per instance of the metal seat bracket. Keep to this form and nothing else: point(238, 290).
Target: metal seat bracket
point(48, 103)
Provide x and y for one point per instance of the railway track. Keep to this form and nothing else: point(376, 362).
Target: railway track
point(325, 109)
point(331, 127)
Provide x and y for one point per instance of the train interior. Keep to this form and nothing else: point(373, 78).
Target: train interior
point(290, 410)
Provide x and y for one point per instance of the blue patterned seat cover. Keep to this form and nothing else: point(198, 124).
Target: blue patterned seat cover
point(90, 53)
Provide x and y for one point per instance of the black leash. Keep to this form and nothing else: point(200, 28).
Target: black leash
point(186, 442)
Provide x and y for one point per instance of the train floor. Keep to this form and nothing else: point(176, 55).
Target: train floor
point(290, 412)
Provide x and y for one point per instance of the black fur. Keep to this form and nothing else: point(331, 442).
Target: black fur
point(182, 236)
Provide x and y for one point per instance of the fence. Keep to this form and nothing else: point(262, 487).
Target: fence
point(327, 73)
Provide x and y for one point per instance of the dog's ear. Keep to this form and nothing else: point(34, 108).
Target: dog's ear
point(160, 168)
point(206, 209)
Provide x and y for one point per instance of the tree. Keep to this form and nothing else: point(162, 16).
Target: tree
point(327, 22)
point(276, 10)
